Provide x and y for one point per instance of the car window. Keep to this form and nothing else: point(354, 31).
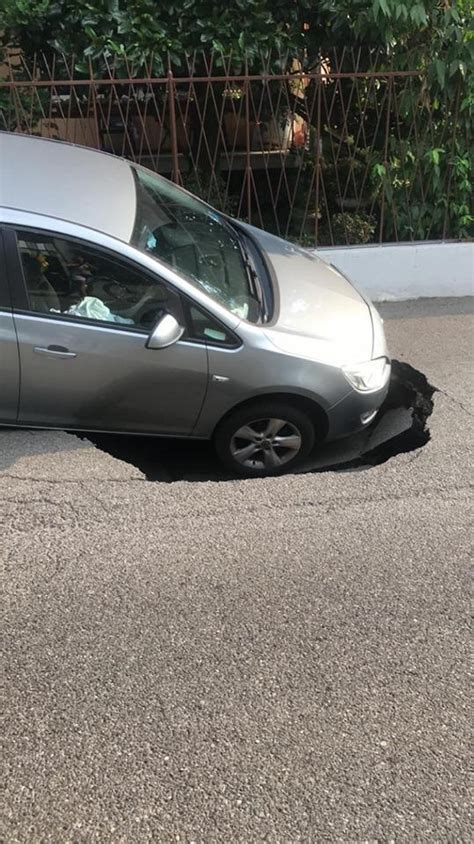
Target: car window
point(4, 291)
point(64, 277)
point(197, 241)
point(206, 328)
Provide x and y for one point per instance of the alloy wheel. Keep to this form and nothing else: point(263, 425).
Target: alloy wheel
point(266, 443)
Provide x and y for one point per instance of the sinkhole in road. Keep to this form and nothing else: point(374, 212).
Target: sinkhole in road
point(400, 426)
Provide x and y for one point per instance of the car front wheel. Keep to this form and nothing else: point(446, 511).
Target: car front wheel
point(266, 438)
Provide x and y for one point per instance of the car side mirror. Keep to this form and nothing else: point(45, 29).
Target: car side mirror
point(166, 332)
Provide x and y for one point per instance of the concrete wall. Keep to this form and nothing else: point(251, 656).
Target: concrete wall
point(406, 270)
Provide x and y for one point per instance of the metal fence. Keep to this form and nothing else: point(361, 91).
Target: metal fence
point(331, 154)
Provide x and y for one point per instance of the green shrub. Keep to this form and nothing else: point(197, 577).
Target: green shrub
point(352, 228)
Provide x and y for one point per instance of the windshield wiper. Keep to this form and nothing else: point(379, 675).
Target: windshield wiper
point(252, 275)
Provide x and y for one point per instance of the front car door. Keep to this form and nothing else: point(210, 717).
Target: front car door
point(83, 315)
point(9, 359)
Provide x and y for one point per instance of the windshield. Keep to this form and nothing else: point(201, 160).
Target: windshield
point(196, 241)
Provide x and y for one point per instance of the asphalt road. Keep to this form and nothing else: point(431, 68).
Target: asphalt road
point(278, 660)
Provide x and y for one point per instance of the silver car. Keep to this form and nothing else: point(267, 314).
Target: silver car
point(129, 305)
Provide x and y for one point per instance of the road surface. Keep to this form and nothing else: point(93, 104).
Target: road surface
point(277, 660)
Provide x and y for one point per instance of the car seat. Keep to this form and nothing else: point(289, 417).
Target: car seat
point(41, 293)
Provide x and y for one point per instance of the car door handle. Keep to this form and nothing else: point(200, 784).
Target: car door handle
point(55, 352)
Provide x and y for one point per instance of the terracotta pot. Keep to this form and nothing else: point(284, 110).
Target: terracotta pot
point(235, 130)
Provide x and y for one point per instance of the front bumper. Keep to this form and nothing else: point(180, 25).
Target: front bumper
point(354, 412)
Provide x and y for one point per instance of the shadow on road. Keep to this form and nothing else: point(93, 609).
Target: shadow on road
point(400, 426)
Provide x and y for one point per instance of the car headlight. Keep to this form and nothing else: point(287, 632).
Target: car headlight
point(368, 377)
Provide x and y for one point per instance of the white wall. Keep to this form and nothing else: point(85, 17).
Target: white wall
point(406, 270)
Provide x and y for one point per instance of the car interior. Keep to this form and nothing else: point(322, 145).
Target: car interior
point(60, 274)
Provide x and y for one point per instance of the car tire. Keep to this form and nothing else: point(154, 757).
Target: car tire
point(264, 438)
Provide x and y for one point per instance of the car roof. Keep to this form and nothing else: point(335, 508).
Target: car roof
point(68, 182)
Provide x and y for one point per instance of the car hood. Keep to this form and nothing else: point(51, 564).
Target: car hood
point(319, 314)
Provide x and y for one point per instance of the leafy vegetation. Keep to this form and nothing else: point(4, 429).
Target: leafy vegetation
point(439, 32)
point(419, 186)
point(352, 228)
point(139, 29)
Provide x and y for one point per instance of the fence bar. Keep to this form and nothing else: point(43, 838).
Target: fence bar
point(450, 163)
point(175, 174)
point(93, 91)
point(385, 161)
point(248, 169)
point(297, 153)
point(318, 160)
point(260, 77)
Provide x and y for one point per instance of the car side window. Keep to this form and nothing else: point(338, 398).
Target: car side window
point(207, 329)
point(64, 277)
point(5, 303)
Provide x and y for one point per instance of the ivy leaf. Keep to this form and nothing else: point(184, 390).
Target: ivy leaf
point(456, 66)
point(380, 6)
point(440, 68)
point(418, 14)
point(379, 171)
